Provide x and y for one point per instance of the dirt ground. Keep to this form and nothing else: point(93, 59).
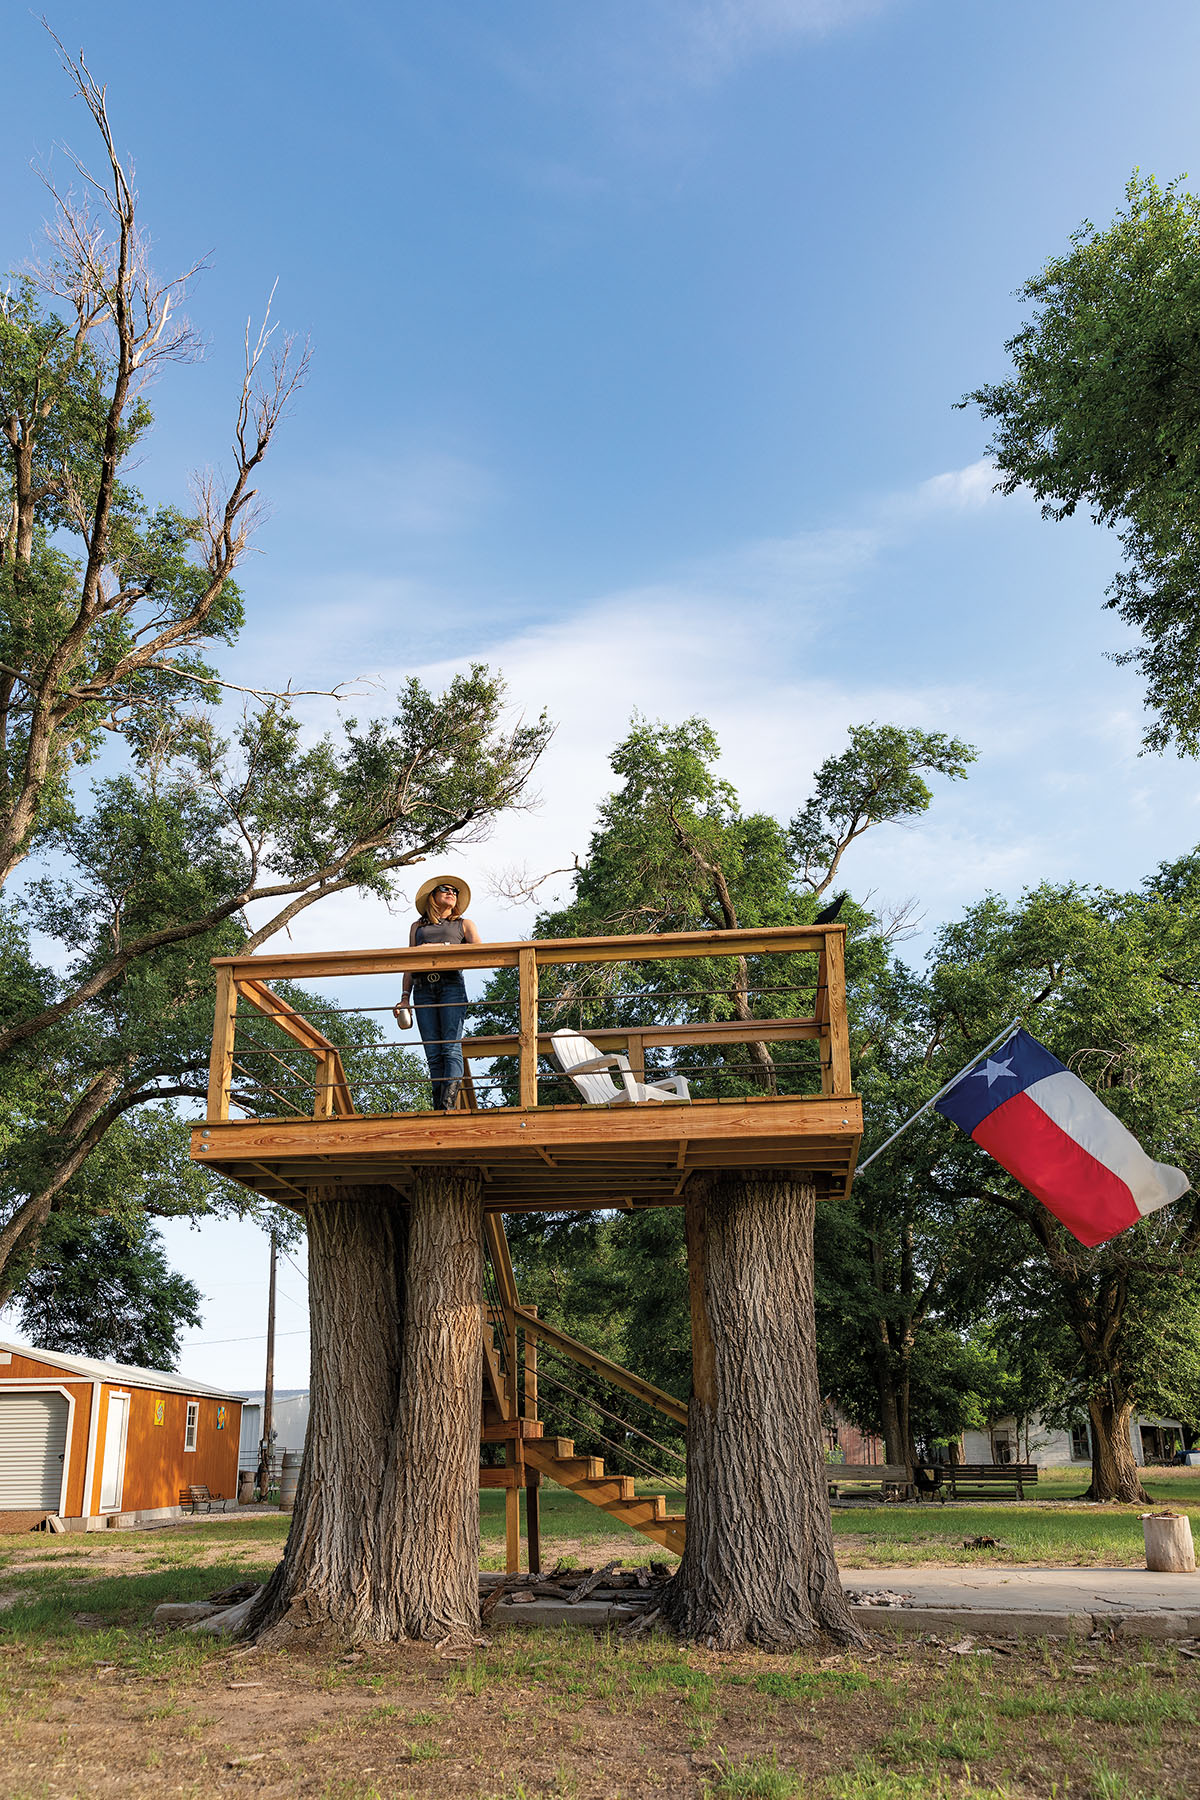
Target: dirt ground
point(95, 1702)
point(535, 1714)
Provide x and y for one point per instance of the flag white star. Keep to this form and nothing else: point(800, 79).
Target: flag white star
point(996, 1071)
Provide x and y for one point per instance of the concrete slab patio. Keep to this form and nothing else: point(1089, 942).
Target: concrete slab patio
point(1001, 1601)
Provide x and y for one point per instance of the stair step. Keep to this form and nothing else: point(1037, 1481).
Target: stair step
point(639, 1509)
point(579, 1468)
point(609, 1491)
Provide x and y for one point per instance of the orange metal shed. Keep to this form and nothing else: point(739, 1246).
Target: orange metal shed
point(96, 1442)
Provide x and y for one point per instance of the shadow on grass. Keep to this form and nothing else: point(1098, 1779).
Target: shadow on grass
point(55, 1605)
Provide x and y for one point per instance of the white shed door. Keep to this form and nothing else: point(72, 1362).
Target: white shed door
point(33, 1444)
point(112, 1470)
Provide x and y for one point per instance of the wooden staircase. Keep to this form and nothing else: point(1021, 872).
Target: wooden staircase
point(511, 1418)
point(614, 1494)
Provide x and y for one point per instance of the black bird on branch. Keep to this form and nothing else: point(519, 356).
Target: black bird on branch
point(829, 913)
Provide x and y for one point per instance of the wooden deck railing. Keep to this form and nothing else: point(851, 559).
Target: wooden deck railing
point(245, 979)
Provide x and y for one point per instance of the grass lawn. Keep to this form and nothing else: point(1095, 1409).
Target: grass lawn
point(93, 1703)
point(1055, 1528)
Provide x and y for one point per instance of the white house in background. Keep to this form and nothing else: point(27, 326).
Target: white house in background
point(289, 1415)
point(1153, 1441)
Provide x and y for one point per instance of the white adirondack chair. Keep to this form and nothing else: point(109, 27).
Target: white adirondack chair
point(577, 1057)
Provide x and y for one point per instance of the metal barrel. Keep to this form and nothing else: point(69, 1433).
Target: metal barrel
point(288, 1479)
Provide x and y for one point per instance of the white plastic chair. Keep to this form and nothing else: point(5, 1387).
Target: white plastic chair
point(577, 1057)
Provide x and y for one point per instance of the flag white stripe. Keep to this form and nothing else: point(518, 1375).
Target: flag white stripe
point(1073, 1107)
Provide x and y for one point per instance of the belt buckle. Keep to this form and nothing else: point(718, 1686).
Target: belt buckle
point(433, 978)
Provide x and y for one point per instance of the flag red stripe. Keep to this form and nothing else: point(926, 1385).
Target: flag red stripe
point(1092, 1202)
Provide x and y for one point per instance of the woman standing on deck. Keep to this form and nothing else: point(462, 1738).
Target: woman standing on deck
point(439, 998)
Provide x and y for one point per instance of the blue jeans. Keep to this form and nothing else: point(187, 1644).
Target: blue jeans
point(441, 1008)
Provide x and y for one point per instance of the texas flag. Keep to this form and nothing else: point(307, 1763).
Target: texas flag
point(1048, 1129)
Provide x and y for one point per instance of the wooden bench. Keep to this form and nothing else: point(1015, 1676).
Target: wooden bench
point(852, 1483)
point(984, 1481)
point(204, 1501)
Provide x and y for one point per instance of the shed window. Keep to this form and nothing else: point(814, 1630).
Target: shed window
point(193, 1420)
point(1081, 1444)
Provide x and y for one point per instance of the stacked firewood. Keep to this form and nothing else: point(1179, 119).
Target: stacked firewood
point(640, 1588)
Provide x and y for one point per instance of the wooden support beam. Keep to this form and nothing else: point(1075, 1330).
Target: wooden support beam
point(666, 946)
point(531, 1370)
point(528, 976)
point(533, 1518)
point(839, 1031)
point(600, 1365)
point(658, 1037)
point(220, 1067)
point(494, 1376)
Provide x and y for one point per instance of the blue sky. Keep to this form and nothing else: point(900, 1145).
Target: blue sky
point(637, 330)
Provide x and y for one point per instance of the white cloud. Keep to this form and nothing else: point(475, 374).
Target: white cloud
point(716, 35)
point(960, 490)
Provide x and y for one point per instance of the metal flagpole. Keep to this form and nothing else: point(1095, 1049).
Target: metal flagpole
point(1001, 1037)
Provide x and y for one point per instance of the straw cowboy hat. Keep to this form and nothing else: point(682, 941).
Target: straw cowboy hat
point(443, 880)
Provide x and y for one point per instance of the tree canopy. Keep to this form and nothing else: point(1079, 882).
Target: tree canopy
point(1102, 409)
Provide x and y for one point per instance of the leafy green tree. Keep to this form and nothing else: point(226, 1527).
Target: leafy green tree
point(1102, 410)
point(673, 850)
point(108, 610)
point(1111, 982)
point(101, 1289)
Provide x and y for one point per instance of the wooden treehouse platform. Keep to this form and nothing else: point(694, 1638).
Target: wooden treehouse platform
point(291, 1110)
point(309, 1126)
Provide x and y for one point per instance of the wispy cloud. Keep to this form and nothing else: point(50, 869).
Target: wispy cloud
point(422, 492)
point(714, 36)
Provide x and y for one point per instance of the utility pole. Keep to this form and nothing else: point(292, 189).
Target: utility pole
point(265, 1447)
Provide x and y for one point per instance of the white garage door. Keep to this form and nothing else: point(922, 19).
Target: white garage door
point(33, 1443)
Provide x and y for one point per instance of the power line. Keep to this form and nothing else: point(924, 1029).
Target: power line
point(259, 1337)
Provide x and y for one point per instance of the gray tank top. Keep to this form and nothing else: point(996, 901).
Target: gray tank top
point(446, 931)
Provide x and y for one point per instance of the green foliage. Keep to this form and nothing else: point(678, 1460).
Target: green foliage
point(1111, 982)
point(877, 780)
point(100, 1288)
point(673, 851)
point(1103, 410)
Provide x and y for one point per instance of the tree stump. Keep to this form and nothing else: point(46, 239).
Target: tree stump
point(759, 1565)
point(1169, 1547)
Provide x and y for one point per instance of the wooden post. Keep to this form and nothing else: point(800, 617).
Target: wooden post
point(323, 1099)
point(220, 1068)
point(531, 1371)
point(528, 974)
point(512, 1509)
point(839, 1031)
point(636, 1053)
point(533, 1521)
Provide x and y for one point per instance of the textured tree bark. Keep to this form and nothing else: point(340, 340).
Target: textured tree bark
point(759, 1566)
point(433, 1490)
point(1114, 1466)
point(333, 1575)
point(385, 1535)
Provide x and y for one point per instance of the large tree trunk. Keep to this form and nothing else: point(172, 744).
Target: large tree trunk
point(434, 1492)
point(333, 1574)
point(759, 1565)
point(1114, 1466)
point(385, 1535)
point(893, 1424)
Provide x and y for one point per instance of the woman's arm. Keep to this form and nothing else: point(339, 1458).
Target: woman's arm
point(406, 989)
point(471, 932)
